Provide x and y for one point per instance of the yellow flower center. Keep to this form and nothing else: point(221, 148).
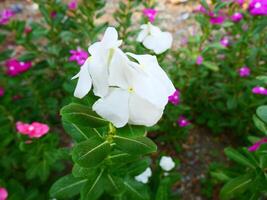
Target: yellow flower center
point(130, 89)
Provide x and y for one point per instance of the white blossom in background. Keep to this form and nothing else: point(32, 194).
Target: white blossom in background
point(144, 176)
point(130, 92)
point(154, 39)
point(166, 163)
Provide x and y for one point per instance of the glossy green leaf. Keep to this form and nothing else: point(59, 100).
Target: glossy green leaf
point(67, 187)
point(93, 188)
point(91, 153)
point(262, 113)
point(238, 157)
point(82, 115)
point(135, 146)
point(235, 186)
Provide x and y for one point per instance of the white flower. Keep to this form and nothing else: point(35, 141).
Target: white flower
point(154, 39)
point(143, 177)
point(128, 102)
point(96, 68)
point(166, 163)
point(130, 92)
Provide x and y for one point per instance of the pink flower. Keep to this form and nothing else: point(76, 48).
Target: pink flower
point(3, 193)
point(216, 20)
point(244, 71)
point(27, 29)
point(224, 42)
point(258, 7)
point(150, 13)
point(199, 60)
point(175, 98)
point(257, 145)
point(2, 91)
point(182, 121)
point(5, 16)
point(259, 90)
point(79, 56)
point(34, 130)
point(73, 4)
point(15, 67)
point(201, 9)
point(236, 17)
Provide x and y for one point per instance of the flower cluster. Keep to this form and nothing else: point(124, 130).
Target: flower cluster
point(154, 39)
point(5, 16)
point(15, 67)
point(79, 56)
point(73, 4)
point(126, 88)
point(34, 130)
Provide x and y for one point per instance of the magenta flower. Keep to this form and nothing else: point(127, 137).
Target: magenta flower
point(199, 60)
point(5, 16)
point(79, 56)
point(216, 20)
point(258, 7)
point(150, 13)
point(244, 71)
point(73, 4)
point(15, 67)
point(3, 193)
point(2, 91)
point(257, 145)
point(34, 130)
point(236, 17)
point(175, 98)
point(225, 42)
point(259, 90)
point(182, 121)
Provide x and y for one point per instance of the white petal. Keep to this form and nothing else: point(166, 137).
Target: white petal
point(166, 163)
point(110, 38)
point(142, 35)
point(99, 74)
point(154, 77)
point(142, 112)
point(114, 107)
point(158, 43)
point(85, 82)
point(119, 70)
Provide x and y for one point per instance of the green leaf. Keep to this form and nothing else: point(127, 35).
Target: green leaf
point(135, 146)
point(235, 186)
point(82, 115)
point(78, 171)
point(132, 131)
point(262, 113)
point(260, 124)
point(113, 185)
point(238, 157)
point(80, 133)
point(210, 65)
point(91, 153)
point(93, 189)
point(136, 190)
point(66, 187)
